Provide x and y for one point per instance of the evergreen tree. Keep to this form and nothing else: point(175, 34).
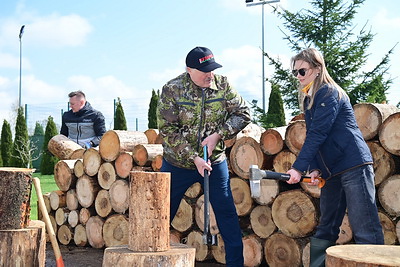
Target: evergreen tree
point(6, 144)
point(38, 129)
point(276, 114)
point(21, 154)
point(119, 120)
point(328, 27)
point(152, 114)
point(48, 160)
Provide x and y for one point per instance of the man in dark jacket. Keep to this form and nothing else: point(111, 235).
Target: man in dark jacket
point(82, 123)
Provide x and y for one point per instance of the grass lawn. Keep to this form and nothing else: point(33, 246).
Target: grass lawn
point(47, 185)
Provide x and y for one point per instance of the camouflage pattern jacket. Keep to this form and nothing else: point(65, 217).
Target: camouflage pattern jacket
point(187, 114)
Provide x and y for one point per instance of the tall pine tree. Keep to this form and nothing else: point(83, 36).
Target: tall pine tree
point(6, 144)
point(48, 160)
point(119, 120)
point(276, 114)
point(21, 154)
point(152, 113)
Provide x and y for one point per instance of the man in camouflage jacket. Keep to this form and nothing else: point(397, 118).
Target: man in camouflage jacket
point(200, 108)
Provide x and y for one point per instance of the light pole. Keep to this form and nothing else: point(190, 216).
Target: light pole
point(250, 3)
point(21, 32)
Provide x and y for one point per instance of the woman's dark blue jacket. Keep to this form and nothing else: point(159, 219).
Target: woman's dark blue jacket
point(334, 143)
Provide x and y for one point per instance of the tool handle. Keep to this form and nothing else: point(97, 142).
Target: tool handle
point(286, 177)
point(206, 196)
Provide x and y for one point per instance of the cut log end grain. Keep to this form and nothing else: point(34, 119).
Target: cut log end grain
point(283, 161)
point(261, 221)
point(94, 231)
point(384, 162)
point(124, 164)
point(193, 191)
point(78, 168)
point(272, 140)
point(269, 190)
point(252, 250)
point(345, 233)
point(116, 230)
point(183, 219)
point(86, 190)
point(295, 136)
point(64, 175)
point(388, 227)
point(73, 218)
point(58, 199)
point(245, 152)
point(64, 234)
point(195, 240)
point(102, 204)
point(91, 161)
point(388, 195)
point(153, 136)
point(281, 250)
point(80, 238)
point(72, 200)
point(241, 196)
point(199, 216)
point(106, 175)
point(389, 134)
point(119, 196)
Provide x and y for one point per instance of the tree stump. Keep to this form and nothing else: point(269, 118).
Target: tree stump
point(64, 148)
point(362, 256)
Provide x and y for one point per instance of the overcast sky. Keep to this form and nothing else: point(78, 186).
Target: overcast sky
point(125, 48)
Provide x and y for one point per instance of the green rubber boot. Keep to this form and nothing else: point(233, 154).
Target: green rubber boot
point(317, 251)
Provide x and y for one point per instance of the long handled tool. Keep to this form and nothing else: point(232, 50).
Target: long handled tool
point(208, 238)
point(49, 227)
point(256, 175)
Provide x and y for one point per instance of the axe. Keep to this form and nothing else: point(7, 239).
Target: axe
point(256, 175)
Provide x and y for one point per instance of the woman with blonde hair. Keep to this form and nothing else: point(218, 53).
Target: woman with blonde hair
point(334, 149)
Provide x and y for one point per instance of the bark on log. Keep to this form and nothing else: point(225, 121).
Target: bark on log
point(149, 211)
point(23, 247)
point(193, 191)
point(384, 162)
point(294, 213)
point(73, 218)
point(295, 136)
point(272, 140)
point(15, 194)
point(252, 250)
point(370, 117)
point(346, 233)
point(64, 148)
point(115, 141)
point(80, 238)
point(388, 227)
point(64, 175)
point(91, 161)
point(156, 164)
point(218, 252)
point(61, 216)
point(94, 231)
point(65, 234)
point(283, 161)
point(144, 154)
point(199, 216)
point(119, 196)
point(241, 196)
point(116, 230)
point(72, 200)
point(58, 199)
point(245, 152)
point(178, 255)
point(281, 250)
point(102, 203)
point(153, 136)
point(362, 256)
point(106, 175)
point(389, 134)
point(86, 190)
point(78, 168)
point(123, 164)
point(183, 219)
point(261, 221)
point(388, 195)
point(195, 240)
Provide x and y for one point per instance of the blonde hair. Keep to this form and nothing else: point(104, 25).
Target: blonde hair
point(316, 61)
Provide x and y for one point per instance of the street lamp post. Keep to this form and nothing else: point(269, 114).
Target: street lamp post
point(21, 32)
point(248, 4)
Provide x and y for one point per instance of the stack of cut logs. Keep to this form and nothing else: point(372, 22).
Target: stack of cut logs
point(91, 206)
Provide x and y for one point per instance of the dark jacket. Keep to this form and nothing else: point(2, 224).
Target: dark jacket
point(85, 126)
point(333, 143)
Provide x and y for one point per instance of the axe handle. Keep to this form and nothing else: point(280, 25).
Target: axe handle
point(206, 197)
point(286, 177)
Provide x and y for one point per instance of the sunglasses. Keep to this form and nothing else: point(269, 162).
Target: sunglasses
point(302, 72)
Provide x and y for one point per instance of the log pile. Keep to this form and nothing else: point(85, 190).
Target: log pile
point(276, 226)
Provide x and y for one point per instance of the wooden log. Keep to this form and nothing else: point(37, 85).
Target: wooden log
point(115, 141)
point(144, 154)
point(241, 196)
point(156, 163)
point(388, 195)
point(251, 130)
point(281, 250)
point(119, 196)
point(384, 163)
point(312, 190)
point(178, 255)
point(346, 233)
point(195, 240)
point(370, 116)
point(64, 148)
point(64, 175)
point(153, 136)
point(272, 140)
point(199, 216)
point(294, 213)
point(94, 231)
point(269, 189)
point(102, 204)
point(261, 221)
point(15, 193)
point(73, 218)
point(193, 191)
point(65, 234)
point(283, 161)
point(24, 247)
point(106, 175)
point(71, 199)
point(149, 211)
point(295, 136)
point(305, 257)
point(245, 152)
point(362, 256)
point(388, 227)
point(86, 190)
point(61, 216)
point(398, 230)
point(252, 250)
point(175, 236)
point(389, 136)
point(218, 252)
point(183, 220)
point(116, 230)
point(91, 161)
point(58, 199)
point(78, 168)
point(123, 164)
point(85, 214)
point(80, 238)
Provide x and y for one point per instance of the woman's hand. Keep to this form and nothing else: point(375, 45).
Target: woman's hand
point(295, 176)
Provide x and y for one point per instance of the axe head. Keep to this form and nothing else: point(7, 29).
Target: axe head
point(255, 181)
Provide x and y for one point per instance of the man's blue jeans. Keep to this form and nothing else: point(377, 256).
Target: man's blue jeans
point(354, 189)
point(221, 200)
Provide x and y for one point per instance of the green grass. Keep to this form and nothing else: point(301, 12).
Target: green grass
point(47, 185)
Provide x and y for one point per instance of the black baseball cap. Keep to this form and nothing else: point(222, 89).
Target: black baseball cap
point(202, 59)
